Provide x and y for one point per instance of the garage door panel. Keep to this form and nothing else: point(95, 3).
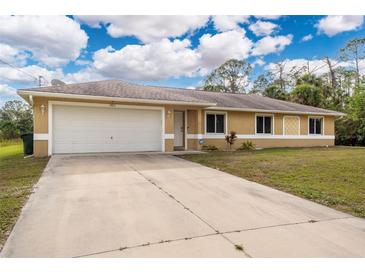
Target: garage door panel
point(96, 129)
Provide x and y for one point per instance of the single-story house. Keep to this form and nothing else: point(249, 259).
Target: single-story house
point(115, 116)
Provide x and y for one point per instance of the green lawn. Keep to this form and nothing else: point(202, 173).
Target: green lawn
point(17, 177)
point(334, 177)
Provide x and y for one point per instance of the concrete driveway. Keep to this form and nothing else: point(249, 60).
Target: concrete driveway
point(154, 205)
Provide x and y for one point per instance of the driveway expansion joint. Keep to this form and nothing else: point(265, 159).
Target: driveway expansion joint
point(217, 232)
point(208, 235)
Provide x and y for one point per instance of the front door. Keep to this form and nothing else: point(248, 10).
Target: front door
point(179, 129)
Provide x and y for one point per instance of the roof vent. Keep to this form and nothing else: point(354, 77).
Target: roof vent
point(56, 82)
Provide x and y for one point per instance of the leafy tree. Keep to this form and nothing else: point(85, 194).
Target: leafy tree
point(354, 51)
point(350, 130)
point(275, 92)
point(262, 82)
point(307, 94)
point(231, 77)
point(310, 79)
point(16, 118)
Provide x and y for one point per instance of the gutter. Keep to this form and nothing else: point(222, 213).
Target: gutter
point(25, 94)
point(339, 114)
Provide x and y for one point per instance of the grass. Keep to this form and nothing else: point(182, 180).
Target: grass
point(17, 177)
point(334, 177)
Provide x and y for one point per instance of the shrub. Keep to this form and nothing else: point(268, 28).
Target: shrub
point(230, 139)
point(247, 145)
point(209, 148)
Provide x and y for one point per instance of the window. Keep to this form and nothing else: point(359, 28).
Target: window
point(315, 125)
point(264, 124)
point(215, 123)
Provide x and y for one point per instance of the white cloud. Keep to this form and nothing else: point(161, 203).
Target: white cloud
point(270, 44)
point(268, 17)
point(229, 22)
point(52, 40)
point(262, 28)
point(258, 62)
point(147, 28)
point(316, 66)
point(153, 61)
point(7, 93)
point(216, 49)
point(307, 38)
point(84, 75)
point(165, 58)
point(12, 55)
point(6, 90)
point(334, 24)
point(11, 75)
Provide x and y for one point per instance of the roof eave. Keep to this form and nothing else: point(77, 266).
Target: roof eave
point(26, 93)
point(277, 111)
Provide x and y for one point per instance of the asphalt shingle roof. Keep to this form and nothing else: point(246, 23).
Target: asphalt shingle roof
point(121, 89)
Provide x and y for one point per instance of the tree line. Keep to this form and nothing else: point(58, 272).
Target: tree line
point(341, 87)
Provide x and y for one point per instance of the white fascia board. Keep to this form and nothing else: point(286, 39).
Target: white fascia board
point(275, 111)
point(114, 99)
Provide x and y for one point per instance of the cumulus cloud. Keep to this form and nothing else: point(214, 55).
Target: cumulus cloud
point(334, 24)
point(307, 38)
point(146, 28)
point(7, 93)
point(270, 44)
point(10, 75)
point(315, 66)
point(12, 55)
point(153, 61)
point(216, 49)
point(229, 22)
point(6, 90)
point(52, 40)
point(262, 28)
point(268, 17)
point(258, 62)
point(84, 75)
point(165, 58)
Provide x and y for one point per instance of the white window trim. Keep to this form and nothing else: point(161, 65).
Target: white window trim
point(272, 124)
point(291, 116)
point(225, 122)
point(316, 117)
point(50, 117)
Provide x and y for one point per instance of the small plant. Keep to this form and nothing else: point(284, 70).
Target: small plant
point(209, 148)
point(247, 145)
point(230, 139)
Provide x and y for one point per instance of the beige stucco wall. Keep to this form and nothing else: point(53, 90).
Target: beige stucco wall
point(240, 122)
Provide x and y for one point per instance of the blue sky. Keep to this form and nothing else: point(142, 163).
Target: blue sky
point(161, 50)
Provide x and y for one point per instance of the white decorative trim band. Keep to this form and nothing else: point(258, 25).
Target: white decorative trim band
point(169, 136)
point(195, 136)
point(263, 136)
point(40, 137)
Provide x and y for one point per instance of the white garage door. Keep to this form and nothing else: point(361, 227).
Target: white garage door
point(78, 129)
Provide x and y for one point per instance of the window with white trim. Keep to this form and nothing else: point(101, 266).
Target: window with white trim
point(264, 124)
point(315, 126)
point(215, 123)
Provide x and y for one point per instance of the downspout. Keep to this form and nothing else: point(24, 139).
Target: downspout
point(31, 100)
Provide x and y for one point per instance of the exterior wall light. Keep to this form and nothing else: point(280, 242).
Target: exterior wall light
point(43, 109)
